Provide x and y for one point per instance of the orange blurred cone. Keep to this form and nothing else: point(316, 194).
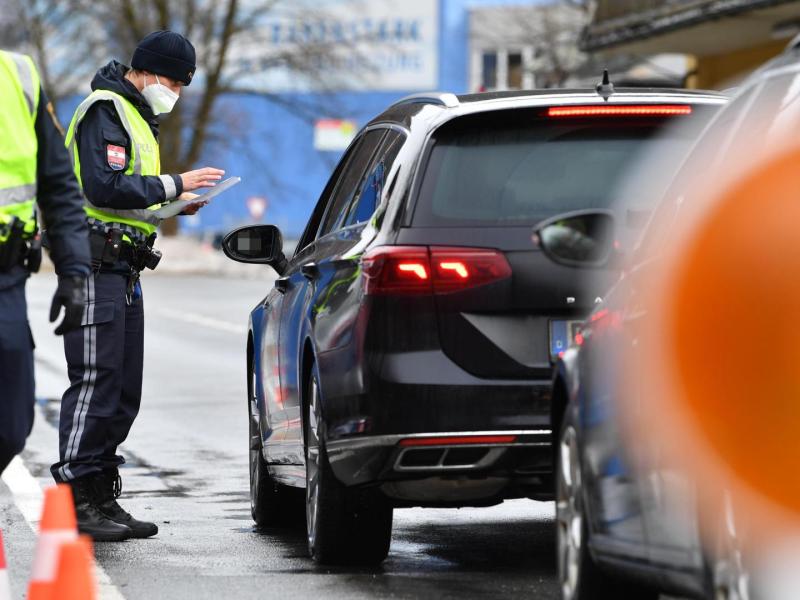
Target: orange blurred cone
point(75, 573)
point(5, 587)
point(58, 526)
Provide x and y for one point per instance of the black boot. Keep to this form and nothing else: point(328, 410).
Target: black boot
point(109, 489)
point(90, 520)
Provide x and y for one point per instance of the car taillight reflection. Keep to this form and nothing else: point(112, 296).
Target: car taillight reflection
point(431, 270)
point(458, 440)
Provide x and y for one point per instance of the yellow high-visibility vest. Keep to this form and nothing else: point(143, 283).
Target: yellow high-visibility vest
point(144, 160)
point(19, 103)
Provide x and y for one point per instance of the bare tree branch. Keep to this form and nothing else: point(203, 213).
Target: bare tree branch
point(212, 86)
point(162, 10)
point(128, 14)
point(71, 39)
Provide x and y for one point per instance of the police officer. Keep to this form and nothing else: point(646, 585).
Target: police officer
point(113, 141)
point(34, 170)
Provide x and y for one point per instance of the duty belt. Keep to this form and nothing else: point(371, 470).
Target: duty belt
point(109, 246)
point(136, 236)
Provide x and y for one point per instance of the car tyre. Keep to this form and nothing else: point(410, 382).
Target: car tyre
point(268, 499)
point(579, 576)
point(350, 526)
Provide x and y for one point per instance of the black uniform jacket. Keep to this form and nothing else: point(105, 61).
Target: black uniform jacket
point(102, 169)
point(59, 200)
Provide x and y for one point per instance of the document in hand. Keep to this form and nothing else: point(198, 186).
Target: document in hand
point(177, 206)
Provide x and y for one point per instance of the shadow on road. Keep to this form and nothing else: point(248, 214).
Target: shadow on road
point(443, 555)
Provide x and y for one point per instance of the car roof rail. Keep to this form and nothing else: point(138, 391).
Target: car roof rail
point(446, 99)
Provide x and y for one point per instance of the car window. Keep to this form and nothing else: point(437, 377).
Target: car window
point(753, 119)
point(312, 226)
point(706, 156)
point(348, 182)
point(518, 167)
point(371, 188)
point(777, 111)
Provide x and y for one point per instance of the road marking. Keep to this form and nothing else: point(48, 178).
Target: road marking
point(28, 497)
point(198, 319)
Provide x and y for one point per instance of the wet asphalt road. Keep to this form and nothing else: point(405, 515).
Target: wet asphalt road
point(187, 470)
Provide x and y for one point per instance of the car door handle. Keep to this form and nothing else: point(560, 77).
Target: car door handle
point(282, 284)
point(310, 271)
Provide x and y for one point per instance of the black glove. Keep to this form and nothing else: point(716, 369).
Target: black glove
point(70, 294)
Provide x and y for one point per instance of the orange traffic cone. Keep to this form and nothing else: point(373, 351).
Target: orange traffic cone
point(5, 586)
point(75, 575)
point(57, 527)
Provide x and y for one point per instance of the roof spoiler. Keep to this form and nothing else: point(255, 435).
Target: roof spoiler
point(446, 99)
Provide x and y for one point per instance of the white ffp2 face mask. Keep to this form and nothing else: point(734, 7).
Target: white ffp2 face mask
point(160, 98)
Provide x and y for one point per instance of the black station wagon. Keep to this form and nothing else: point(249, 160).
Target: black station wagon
point(404, 355)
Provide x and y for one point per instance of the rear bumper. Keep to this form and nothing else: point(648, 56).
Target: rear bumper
point(448, 468)
point(371, 405)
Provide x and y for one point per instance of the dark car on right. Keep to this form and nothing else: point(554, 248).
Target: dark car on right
point(617, 536)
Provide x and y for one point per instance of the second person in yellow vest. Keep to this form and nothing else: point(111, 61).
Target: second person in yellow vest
point(113, 143)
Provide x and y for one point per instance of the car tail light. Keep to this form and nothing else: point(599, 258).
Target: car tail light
point(397, 270)
point(458, 440)
point(421, 270)
point(413, 270)
point(629, 110)
point(460, 268)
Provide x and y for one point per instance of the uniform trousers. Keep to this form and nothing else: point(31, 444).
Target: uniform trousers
point(104, 360)
point(16, 372)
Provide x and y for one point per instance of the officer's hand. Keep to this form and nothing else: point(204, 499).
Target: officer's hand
point(191, 209)
point(201, 178)
point(70, 294)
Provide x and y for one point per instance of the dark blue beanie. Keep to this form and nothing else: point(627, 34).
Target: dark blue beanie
point(166, 53)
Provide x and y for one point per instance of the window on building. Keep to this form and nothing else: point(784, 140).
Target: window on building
point(501, 70)
point(514, 71)
point(489, 71)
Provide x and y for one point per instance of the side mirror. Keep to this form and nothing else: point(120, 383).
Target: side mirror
point(256, 244)
point(578, 239)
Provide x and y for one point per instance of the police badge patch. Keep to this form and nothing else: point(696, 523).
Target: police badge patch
point(116, 157)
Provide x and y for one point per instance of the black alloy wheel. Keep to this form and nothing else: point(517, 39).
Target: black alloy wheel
point(344, 525)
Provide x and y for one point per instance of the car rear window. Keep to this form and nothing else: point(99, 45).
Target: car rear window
point(519, 167)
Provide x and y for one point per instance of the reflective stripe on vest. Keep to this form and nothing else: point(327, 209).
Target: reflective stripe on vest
point(144, 159)
point(17, 195)
point(19, 104)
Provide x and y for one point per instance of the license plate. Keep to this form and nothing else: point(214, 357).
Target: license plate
point(562, 336)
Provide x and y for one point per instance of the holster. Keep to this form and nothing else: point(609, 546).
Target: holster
point(33, 257)
point(105, 247)
point(145, 256)
point(13, 249)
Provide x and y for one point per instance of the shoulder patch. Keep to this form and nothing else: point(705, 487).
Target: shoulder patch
point(115, 155)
